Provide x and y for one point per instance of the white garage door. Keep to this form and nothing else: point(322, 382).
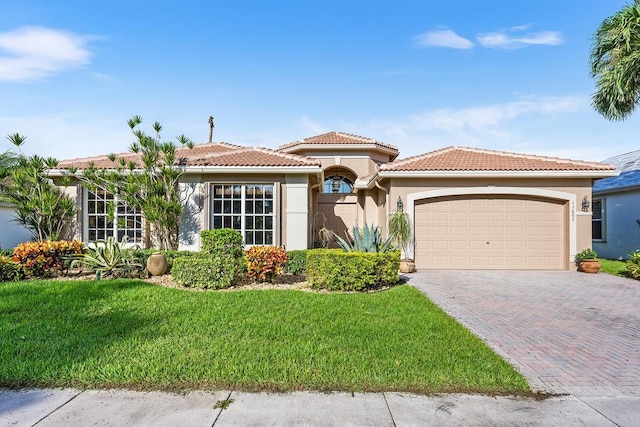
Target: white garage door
point(500, 232)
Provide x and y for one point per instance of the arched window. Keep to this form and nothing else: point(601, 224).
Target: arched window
point(337, 184)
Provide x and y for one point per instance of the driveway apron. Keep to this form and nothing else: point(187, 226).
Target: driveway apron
point(567, 332)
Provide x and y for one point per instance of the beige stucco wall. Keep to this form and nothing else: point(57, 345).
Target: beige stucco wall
point(374, 204)
point(574, 189)
point(288, 208)
point(361, 162)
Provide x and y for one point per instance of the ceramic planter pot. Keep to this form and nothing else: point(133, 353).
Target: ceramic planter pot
point(589, 265)
point(407, 266)
point(157, 264)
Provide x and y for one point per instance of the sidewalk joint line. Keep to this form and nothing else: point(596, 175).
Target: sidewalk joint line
point(63, 404)
point(386, 402)
point(222, 409)
point(596, 409)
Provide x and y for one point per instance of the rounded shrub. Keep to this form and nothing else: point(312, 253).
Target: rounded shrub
point(40, 259)
point(296, 262)
point(264, 263)
point(222, 240)
point(205, 271)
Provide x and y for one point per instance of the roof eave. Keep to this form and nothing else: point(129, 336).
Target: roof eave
point(364, 184)
point(218, 169)
point(497, 174)
point(253, 169)
point(616, 190)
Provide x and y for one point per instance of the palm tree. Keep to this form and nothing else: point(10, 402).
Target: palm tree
point(8, 160)
point(615, 63)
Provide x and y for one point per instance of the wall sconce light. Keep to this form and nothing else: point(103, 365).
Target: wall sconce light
point(585, 204)
point(399, 204)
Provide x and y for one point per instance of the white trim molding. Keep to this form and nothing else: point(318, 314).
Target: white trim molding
point(570, 198)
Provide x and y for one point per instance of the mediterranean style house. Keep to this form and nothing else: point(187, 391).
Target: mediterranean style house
point(470, 208)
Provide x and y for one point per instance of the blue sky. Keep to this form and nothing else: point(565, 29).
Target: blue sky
point(421, 75)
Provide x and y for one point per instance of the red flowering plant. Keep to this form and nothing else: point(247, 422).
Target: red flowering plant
point(264, 263)
point(40, 259)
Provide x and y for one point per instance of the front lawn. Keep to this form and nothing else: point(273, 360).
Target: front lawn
point(614, 267)
point(128, 333)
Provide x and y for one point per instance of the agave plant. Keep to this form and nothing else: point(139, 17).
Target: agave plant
point(369, 239)
point(105, 256)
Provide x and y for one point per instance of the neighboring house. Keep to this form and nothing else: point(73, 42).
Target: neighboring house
point(11, 232)
point(471, 208)
point(616, 209)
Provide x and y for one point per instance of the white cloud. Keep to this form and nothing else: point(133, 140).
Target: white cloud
point(311, 126)
point(490, 118)
point(529, 124)
point(441, 38)
point(521, 27)
point(503, 39)
point(30, 53)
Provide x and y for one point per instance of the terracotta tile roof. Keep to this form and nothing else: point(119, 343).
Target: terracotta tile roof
point(474, 159)
point(336, 138)
point(253, 157)
point(214, 154)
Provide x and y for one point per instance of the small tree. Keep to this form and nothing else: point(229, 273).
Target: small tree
point(400, 231)
point(40, 206)
point(149, 183)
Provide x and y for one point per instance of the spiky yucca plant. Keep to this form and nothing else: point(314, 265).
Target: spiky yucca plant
point(105, 256)
point(369, 239)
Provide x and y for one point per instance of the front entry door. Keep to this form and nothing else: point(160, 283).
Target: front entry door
point(339, 212)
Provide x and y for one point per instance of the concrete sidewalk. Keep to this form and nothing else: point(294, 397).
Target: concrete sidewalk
point(68, 407)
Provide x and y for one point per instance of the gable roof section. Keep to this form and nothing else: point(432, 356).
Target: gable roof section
point(625, 162)
point(252, 157)
point(464, 161)
point(214, 155)
point(333, 140)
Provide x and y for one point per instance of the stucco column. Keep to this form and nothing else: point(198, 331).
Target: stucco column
point(296, 211)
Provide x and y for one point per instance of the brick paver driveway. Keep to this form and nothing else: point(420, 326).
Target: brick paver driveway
point(567, 332)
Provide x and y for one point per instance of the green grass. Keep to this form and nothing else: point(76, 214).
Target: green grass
point(614, 267)
point(127, 333)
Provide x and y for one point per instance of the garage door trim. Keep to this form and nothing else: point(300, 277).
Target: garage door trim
point(519, 191)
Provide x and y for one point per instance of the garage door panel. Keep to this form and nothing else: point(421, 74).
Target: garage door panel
point(515, 245)
point(491, 233)
point(496, 232)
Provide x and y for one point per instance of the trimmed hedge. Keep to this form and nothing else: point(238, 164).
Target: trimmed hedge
point(337, 270)
point(205, 271)
point(296, 262)
point(222, 240)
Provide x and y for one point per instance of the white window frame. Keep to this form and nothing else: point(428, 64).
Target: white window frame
point(602, 219)
point(114, 229)
point(243, 213)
